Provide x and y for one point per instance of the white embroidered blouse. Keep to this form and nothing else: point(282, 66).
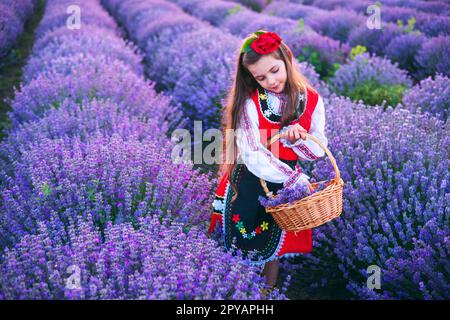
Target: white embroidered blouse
point(260, 161)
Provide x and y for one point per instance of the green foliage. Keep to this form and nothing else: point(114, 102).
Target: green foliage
point(356, 51)
point(236, 9)
point(372, 93)
point(248, 42)
point(325, 69)
point(410, 27)
point(301, 24)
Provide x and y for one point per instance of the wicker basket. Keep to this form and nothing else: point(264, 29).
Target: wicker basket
point(311, 211)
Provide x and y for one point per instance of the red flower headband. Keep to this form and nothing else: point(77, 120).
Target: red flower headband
point(262, 42)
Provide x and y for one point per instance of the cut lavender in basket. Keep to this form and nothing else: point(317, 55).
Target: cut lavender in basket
point(289, 195)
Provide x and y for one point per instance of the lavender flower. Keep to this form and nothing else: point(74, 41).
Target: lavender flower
point(430, 95)
point(375, 40)
point(433, 57)
point(367, 67)
point(13, 15)
point(396, 167)
point(335, 24)
point(157, 261)
point(92, 14)
point(65, 49)
point(403, 50)
point(109, 177)
point(289, 195)
point(95, 79)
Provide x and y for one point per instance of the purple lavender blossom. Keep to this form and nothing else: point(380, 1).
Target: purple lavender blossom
point(367, 67)
point(375, 40)
point(313, 78)
point(91, 14)
point(156, 261)
point(289, 195)
point(403, 50)
point(430, 95)
point(433, 57)
point(212, 11)
point(198, 79)
point(12, 20)
point(395, 165)
point(291, 10)
point(336, 24)
point(112, 178)
point(95, 79)
point(44, 60)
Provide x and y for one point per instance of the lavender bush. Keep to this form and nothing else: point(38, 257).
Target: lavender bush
point(110, 177)
point(289, 195)
point(433, 57)
point(404, 49)
point(13, 15)
point(395, 211)
point(236, 21)
point(154, 262)
point(80, 119)
point(257, 5)
point(199, 78)
point(324, 53)
point(336, 24)
point(433, 25)
point(430, 95)
point(91, 13)
point(95, 79)
point(96, 43)
point(212, 11)
point(291, 10)
point(195, 78)
point(372, 72)
point(312, 76)
point(163, 33)
point(375, 40)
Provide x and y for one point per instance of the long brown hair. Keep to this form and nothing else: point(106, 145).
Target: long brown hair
point(243, 86)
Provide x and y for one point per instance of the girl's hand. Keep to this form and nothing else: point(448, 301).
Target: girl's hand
point(296, 132)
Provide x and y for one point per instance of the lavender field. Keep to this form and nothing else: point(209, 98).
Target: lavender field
point(92, 205)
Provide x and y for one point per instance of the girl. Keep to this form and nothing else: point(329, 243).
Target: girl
point(269, 95)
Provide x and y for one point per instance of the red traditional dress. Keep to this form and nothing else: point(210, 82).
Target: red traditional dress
point(246, 225)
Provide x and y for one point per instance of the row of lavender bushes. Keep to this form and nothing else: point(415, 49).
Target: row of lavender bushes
point(87, 185)
point(395, 163)
point(418, 41)
point(323, 52)
point(395, 216)
point(197, 79)
point(13, 15)
point(364, 76)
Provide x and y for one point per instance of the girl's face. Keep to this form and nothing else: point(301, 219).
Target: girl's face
point(270, 73)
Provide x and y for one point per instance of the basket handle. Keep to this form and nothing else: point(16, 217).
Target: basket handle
point(277, 136)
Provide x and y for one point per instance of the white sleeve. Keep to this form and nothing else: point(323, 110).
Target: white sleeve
point(308, 149)
point(258, 159)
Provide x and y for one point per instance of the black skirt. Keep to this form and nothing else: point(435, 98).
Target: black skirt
point(247, 226)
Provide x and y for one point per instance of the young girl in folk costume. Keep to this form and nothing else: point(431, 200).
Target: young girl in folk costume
point(268, 96)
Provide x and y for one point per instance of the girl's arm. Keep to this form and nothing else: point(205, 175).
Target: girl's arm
point(308, 149)
point(257, 158)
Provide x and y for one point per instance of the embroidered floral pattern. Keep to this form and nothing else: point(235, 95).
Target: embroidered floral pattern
point(240, 226)
point(219, 205)
point(267, 113)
